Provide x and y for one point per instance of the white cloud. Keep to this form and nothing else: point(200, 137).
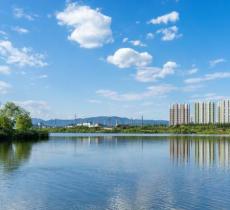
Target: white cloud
point(43, 76)
point(208, 77)
point(20, 30)
point(150, 35)
point(4, 87)
point(136, 43)
point(208, 97)
point(128, 57)
point(150, 74)
point(215, 62)
point(20, 13)
point(152, 91)
point(192, 87)
point(90, 28)
point(94, 101)
point(38, 109)
point(3, 33)
point(193, 71)
point(21, 57)
point(169, 34)
point(125, 40)
point(5, 70)
point(165, 19)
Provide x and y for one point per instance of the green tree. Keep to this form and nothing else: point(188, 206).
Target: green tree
point(6, 123)
point(23, 122)
point(12, 111)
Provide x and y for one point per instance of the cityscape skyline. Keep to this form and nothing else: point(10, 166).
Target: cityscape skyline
point(100, 58)
point(206, 112)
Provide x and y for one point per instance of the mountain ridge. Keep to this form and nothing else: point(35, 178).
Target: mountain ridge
point(104, 120)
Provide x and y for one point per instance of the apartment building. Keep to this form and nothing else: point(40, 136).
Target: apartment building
point(179, 114)
point(205, 113)
point(224, 111)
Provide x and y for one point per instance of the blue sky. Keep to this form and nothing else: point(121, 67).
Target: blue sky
point(125, 58)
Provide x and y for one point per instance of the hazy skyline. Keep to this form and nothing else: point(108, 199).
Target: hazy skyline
point(94, 57)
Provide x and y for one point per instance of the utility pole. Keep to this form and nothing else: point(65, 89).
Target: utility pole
point(75, 119)
point(142, 121)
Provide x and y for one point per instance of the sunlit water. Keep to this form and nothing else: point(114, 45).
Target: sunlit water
point(109, 172)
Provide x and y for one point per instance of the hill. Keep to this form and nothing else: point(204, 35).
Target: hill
point(104, 120)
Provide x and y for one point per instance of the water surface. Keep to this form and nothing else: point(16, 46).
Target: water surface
point(116, 172)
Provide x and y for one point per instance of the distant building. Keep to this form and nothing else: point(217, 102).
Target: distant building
point(88, 124)
point(205, 113)
point(179, 114)
point(224, 111)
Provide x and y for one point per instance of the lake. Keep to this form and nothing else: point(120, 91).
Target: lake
point(116, 172)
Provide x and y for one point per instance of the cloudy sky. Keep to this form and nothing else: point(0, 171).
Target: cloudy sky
point(125, 58)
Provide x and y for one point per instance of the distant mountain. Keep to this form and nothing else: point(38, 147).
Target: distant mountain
point(104, 120)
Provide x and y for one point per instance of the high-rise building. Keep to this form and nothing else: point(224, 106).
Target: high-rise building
point(205, 113)
point(179, 114)
point(224, 111)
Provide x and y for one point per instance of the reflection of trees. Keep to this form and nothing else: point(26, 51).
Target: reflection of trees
point(13, 155)
point(204, 151)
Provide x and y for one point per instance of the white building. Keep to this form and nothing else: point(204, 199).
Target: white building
point(179, 114)
point(88, 124)
point(205, 113)
point(224, 111)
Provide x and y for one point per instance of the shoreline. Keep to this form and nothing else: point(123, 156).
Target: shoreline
point(30, 135)
point(57, 134)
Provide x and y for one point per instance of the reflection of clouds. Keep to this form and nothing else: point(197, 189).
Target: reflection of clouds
point(119, 173)
point(119, 200)
point(151, 190)
point(205, 152)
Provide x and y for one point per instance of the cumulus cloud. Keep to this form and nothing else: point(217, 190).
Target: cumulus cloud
point(128, 57)
point(215, 62)
point(152, 91)
point(165, 19)
point(5, 70)
point(20, 13)
point(4, 87)
point(20, 30)
point(150, 74)
point(137, 43)
point(38, 109)
point(21, 57)
point(150, 35)
point(169, 34)
point(90, 28)
point(208, 77)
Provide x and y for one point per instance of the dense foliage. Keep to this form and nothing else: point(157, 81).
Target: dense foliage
point(180, 129)
point(15, 122)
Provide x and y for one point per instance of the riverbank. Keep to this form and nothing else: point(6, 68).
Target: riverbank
point(158, 129)
point(29, 135)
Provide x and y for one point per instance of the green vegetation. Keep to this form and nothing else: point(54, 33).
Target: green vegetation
point(180, 129)
point(16, 123)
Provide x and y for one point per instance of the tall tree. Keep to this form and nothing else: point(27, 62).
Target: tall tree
point(23, 122)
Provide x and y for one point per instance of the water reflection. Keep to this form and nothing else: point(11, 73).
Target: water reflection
point(14, 154)
point(203, 151)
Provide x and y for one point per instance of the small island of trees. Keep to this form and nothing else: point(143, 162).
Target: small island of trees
point(16, 124)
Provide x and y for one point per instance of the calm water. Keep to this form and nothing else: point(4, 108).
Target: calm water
point(109, 172)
